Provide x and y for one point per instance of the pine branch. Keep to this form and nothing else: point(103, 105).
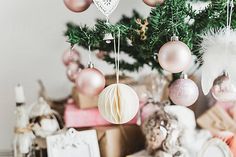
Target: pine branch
point(172, 17)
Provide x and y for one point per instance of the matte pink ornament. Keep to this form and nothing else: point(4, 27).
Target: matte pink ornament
point(77, 5)
point(183, 92)
point(153, 3)
point(223, 90)
point(90, 81)
point(70, 56)
point(174, 56)
point(72, 71)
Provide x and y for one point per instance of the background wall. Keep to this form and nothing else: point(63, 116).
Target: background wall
point(31, 45)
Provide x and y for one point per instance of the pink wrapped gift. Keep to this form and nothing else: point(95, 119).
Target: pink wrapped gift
point(75, 117)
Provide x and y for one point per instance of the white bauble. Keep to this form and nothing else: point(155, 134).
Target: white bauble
point(118, 103)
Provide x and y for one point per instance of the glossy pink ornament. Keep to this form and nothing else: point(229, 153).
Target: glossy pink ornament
point(70, 56)
point(153, 3)
point(90, 81)
point(72, 71)
point(223, 90)
point(174, 56)
point(77, 5)
point(183, 92)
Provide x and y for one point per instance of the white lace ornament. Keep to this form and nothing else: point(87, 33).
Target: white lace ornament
point(106, 6)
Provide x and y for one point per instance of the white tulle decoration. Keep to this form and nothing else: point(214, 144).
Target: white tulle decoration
point(219, 48)
point(118, 103)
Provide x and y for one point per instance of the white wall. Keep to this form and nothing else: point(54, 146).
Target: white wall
point(31, 45)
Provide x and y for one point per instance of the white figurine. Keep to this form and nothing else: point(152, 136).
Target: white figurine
point(43, 119)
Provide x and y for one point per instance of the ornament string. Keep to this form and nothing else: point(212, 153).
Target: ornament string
point(174, 26)
point(71, 51)
point(117, 55)
point(230, 6)
point(89, 55)
point(115, 110)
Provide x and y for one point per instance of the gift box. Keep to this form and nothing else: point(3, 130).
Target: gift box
point(119, 141)
point(111, 79)
point(82, 101)
point(75, 117)
point(216, 119)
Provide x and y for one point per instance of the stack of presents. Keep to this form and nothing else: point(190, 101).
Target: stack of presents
point(81, 113)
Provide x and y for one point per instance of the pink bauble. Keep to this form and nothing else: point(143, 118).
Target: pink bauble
point(183, 92)
point(174, 56)
point(77, 5)
point(223, 90)
point(153, 3)
point(90, 81)
point(70, 56)
point(72, 71)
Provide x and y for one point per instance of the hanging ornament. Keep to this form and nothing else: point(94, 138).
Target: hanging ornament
point(70, 55)
point(174, 56)
point(77, 5)
point(106, 6)
point(219, 51)
point(153, 3)
point(223, 90)
point(183, 92)
point(118, 103)
point(90, 81)
point(143, 28)
point(108, 38)
point(72, 71)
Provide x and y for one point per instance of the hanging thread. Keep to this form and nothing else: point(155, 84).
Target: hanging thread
point(71, 51)
point(230, 6)
point(117, 55)
point(89, 55)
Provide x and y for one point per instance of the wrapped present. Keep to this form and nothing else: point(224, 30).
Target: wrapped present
point(156, 85)
point(110, 79)
point(216, 119)
point(119, 141)
point(82, 101)
point(75, 117)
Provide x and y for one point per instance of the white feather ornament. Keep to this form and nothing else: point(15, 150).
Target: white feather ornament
point(219, 54)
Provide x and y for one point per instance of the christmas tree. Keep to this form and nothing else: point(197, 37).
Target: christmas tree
point(141, 38)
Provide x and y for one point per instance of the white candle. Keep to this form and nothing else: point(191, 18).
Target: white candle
point(19, 93)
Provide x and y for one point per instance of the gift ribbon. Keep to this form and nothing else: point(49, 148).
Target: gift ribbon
point(27, 129)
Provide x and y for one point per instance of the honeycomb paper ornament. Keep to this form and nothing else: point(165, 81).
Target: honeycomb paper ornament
point(118, 103)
